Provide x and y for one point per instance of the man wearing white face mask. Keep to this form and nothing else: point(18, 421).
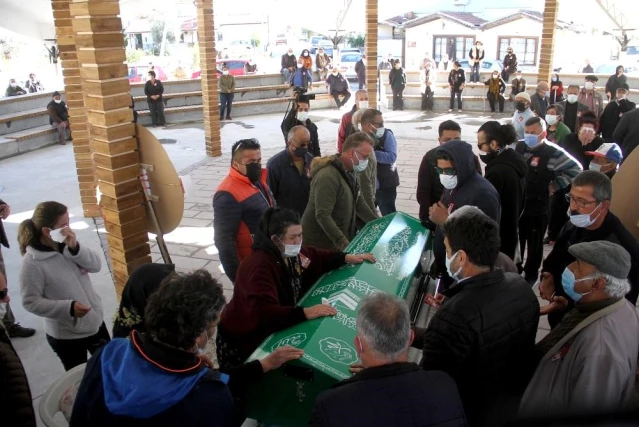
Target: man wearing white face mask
point(386, 157)
point(572, 108)
point(592, 99)
point(59, 117)
point(484, 333)
point(590, 220)
point(588, 361)
point(337, 86)
point(550, 169)
point(335, 204)
point(463, 186)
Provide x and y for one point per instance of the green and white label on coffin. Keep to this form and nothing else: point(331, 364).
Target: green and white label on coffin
point(286, 396)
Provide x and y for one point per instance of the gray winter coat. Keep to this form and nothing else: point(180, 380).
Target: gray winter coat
point(591, 370)
point(50, 281)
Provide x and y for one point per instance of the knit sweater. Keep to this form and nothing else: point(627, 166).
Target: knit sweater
point(50, 281)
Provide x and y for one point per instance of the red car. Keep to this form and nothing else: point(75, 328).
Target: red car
point(236, 67)
point(139, 73)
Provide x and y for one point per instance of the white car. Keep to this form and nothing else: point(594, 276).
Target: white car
point(347, 63)
point(240, 49)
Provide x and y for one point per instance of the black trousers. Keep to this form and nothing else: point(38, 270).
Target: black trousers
point(558, 213)
point(491, 101)
point(361, 81)
point(226, 103)
point(458, 94)
point(427, 99)
point(505, 75)
point(398, 98)
point(532, 229)
point(385, 199)
point(346, 94)
point(157, 114)
point(74, 352)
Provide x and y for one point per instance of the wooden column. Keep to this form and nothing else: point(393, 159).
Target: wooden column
point(371, 51)
point(100, 45)
point(551, 9)
point(75, 101)
point(210, 97)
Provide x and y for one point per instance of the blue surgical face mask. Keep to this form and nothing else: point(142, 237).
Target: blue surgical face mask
point(568, 283)
point(531, 139)
point(449, 262)
point(379, 132)
point(583, 220)
point(361, 165)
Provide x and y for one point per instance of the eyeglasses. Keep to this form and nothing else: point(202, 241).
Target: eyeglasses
point(581, 203)
point(4, 293)
point(360, 157)
point(445, 171)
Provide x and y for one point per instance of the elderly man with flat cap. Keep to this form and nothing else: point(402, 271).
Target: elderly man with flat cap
point(588, 361)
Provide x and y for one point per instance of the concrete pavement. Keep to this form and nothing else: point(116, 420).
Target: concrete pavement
point(49, 174)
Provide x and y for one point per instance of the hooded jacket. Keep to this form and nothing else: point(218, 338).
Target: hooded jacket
point(507, 171)
point(626, 133)
point(472, 190)
point(613, 112)
point(264, 297)
point(50, 281)
point(333, 206)
point(139, 382)
point(144, 281)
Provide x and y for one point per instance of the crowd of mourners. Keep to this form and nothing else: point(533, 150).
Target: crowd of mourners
point(177, 354)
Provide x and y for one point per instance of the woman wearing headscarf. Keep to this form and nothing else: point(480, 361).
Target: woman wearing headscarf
point(144, 281)
point(615, 81)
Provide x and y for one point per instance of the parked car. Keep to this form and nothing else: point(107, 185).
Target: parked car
point(240, 48)
point(236, 67)
point(139, 73)
point(347, 63)
point(316, 41)
point(611, 68)
point(350, 49)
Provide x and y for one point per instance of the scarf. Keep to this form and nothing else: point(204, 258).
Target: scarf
point(569, 322)
point(493, 87)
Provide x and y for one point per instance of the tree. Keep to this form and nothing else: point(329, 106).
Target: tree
point(358, 40)
point(624, 40)
point(157, 30)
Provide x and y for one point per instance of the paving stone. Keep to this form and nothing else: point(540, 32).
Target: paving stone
point(192, 222)
point(211, 253)
point(188, 263)
point(204, 215)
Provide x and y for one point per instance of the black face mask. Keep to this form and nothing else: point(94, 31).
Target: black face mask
point(489, 157)
point(300, 152)
point(254, 172)
point(520, 106)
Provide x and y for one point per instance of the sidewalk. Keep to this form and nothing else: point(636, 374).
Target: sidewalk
point(191, 245)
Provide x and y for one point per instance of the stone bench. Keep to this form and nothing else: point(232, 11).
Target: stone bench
point(26, 140)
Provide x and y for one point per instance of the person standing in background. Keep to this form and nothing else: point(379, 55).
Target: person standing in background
point(456, 82)
point(227, 89)
point(556, 90)
point(13, 89)
point(589, 96)
point(557, 130)
point(587, 68)
point(360, 70)
point(397, 80)
point(614, 111)
point(153, 89)
point(444, 64)
point(13, 329)
point(522, 113)
point(346, 126)
point(573, 109)
point(510, 64)
point(614, 82)
point(308, 61)
point(539, 100)
point(476, 55)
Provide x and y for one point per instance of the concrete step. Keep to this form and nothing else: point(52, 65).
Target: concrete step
point(472, 89)
point(193, 113)
point(441, 103)
point(27, 140)
point(22, 120)
point(30, 101)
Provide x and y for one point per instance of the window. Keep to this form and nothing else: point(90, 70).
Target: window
point(456, 47)
point(524, 47)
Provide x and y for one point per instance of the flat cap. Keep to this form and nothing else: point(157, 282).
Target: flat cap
point(523, 95)
point(607, 257)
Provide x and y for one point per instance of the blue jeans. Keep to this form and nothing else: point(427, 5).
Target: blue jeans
point(226, 102)
point(385, 199)
point(474, 73)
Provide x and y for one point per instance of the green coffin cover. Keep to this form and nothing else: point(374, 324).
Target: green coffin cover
point(286, 396)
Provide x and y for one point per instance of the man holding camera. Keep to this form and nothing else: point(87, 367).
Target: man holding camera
point(298, 116)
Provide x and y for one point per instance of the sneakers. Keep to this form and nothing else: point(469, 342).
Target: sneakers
point(450, 110)
point(17, 331)
point(459, 111)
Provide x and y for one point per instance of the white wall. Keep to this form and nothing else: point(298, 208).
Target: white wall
point(422, 36)
point(384, 32)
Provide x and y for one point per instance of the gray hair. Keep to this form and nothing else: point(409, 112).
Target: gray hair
point(600, 183)
point(615, 287)
point(293, 131)
point(384, 322)
point(468, 210)
point(541, 85)
point(357, 118)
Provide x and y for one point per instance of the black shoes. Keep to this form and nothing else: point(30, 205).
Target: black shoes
point(17, 331)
